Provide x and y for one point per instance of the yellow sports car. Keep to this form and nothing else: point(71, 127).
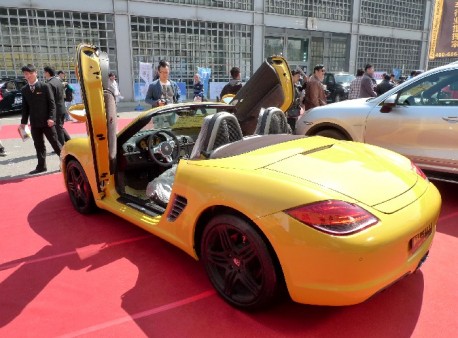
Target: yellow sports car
point(333, 222)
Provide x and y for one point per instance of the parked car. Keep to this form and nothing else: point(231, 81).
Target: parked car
point(418, 118)
point(10, 89)
point(338, 85)
point(262, 211)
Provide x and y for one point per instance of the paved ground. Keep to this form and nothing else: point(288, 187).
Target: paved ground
point(21, 157)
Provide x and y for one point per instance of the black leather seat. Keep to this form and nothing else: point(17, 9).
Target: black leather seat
point(272, 121)
point(217, 130)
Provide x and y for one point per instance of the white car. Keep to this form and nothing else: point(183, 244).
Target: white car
point(418, 118)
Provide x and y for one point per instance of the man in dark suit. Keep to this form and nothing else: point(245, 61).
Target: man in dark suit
point(58, 92)
point(38, 104)
point(162, 91)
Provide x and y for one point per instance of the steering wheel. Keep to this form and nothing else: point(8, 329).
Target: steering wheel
point(167, 152)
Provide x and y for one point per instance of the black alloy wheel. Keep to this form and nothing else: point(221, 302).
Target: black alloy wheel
point(79, 189)
point(238, 263)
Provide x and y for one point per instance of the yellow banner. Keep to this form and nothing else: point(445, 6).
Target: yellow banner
point(444, 32)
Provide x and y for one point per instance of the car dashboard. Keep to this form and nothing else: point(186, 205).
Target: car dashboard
point(136, 150)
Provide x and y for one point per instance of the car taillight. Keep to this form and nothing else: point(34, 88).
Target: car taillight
point(334, 217)
point(418, 171)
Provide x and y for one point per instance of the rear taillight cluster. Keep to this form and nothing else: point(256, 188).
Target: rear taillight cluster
point(418, 171)
point(334, 217)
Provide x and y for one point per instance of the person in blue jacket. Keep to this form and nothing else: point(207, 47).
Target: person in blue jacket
point(162, 91)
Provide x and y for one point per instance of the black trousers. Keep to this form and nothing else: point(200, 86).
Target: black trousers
point(292, 123)
point(62, 134)
point(38, 134)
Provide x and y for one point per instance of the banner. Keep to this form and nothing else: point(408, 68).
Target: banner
point(205, 74)
point(444, 32)
point(215, 89)
point(146, 72)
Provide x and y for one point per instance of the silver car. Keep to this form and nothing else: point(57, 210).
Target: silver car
point(418, 118)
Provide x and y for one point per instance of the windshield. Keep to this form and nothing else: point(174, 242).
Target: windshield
point(183, 120)
point(344, 78)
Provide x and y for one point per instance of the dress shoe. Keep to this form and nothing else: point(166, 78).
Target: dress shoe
point(37, 171)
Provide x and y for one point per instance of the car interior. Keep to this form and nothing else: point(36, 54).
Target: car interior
point(146, 161)
point(435, 90)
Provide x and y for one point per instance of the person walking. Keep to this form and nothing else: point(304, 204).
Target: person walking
point(58, 92)
point(295, 111)
point(198, 88)
point(68, 93)
point(113, 87)
point(162, 91)
point(355, 85)
point(38, 104)
point(385, 85)
point(315, 95)
point(367, 82)
point(234, 85)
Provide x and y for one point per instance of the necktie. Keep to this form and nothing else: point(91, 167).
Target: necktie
point(32, 88)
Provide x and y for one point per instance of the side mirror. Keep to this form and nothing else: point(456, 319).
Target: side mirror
point(388, 104)
point(78, 112)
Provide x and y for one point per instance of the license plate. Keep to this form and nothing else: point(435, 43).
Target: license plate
point(18, 100)
point(416, 241)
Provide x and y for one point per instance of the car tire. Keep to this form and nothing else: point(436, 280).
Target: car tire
point(337, 98)
point(332, 133)
point(238, 263)
point(79, 189)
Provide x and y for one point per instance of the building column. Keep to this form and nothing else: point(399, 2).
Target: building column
point(123, 49)
point(426, 35)
point(258, 34)
point(353, 55)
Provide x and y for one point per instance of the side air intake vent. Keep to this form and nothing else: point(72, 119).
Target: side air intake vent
point(179, 203)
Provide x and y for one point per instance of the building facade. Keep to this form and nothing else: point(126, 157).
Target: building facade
point(218, 34)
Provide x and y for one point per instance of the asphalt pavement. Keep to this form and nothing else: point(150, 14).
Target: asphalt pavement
point(21, 158)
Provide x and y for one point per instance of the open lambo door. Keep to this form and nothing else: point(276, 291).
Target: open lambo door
point(270, 86)
point(92, 71)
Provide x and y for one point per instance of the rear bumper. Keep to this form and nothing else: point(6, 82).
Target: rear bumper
point(328, 270)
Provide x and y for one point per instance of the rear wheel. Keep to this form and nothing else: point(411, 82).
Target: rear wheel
point(332, 133)
point(79, 189)
point(238, 263)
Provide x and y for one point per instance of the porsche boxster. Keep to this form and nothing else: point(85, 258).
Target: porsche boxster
point(331, 222)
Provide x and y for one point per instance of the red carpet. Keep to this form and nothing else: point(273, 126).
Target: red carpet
point(73, 128)
point(64, 274)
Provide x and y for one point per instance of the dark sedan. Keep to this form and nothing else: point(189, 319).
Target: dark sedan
point(10, 93)
point(338, 85)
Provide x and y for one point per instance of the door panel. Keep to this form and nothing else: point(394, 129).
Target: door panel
point(90, 76)
point(424, 123)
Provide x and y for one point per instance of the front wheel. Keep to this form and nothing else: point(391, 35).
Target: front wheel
point(338, 98)
point(238, 263)
point(332, 133)
point(79, 189)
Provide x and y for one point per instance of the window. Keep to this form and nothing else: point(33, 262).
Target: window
point(434, 90)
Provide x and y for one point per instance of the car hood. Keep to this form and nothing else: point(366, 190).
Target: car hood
point(370, 175)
